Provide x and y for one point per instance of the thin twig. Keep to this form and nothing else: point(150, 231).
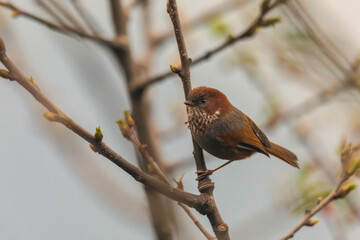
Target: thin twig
point(221, 8)
point(324, 59)
point(47, 8)
point(86, 17)
point(61, 29)
point(339, 191)
point(305, 220)
point(348, 169)
point(196, 222)
point(67, 15)
point(231, 40)
point(325, 45)
point(147, 157)
point(180, 186)
point(310, 104)
point(129, 6)
point(317, 161)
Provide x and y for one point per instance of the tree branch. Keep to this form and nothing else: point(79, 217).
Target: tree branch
point(67, 15)
point(321, 97)
point(62, 29)
point(159, 207)
point(118, 18)
point(205, 186)
point(200, 203)
point(86, 17)
point(221, 8)
point(127, 127)
point(319, 38)
point(196, 222)
point(47, 8)
point(231, 40)
point(180, 186)
point(339, 191)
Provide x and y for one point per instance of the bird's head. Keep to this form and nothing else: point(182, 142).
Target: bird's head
point(208, 101)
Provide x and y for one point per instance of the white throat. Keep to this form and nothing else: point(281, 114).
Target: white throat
point(199, 119)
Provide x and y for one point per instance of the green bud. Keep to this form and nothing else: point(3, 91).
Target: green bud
point(354, 165)
point(124, 128)
point(129, 120)
point(231, 37)
point(31, 79)
point(180, 185)
point(15, 13)
point(98, 135)
point(52, 117)
point(312, 222)
point(174, 69)
point(4, 74)
point(93, 148)
point(346, 189)
point(270, 22)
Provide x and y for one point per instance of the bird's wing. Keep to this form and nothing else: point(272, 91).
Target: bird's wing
point(260, 135)
point(251, 137)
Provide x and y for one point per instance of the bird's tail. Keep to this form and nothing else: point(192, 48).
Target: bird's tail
point(283, 154)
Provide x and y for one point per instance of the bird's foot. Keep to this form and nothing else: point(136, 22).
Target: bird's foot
point(203, 174)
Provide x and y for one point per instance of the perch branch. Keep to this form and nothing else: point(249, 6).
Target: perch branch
point(205, 186)
point(180, 186)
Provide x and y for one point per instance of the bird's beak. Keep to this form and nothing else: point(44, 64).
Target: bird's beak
point(189, 103)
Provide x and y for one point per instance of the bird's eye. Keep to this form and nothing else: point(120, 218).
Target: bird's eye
point(202, 100)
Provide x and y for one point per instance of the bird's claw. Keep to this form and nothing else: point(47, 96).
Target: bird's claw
point(203, 174)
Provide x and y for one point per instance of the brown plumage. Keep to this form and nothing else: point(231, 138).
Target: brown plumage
point(227, 133)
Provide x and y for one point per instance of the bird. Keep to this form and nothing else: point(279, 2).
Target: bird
point(226, 132)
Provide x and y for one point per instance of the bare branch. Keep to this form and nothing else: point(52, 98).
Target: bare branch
point(47, 8)
point(180, 186)
point(323, 96)
point(87, 19)
point(62, 29)
point(231, 40)
point(318, 36)
point(159, 207)
point(339, 191)
point(127, 127)
point(196, 222)
point(64, 12)
point(130, 5)
point(201, 18)
point(206, 186)
point(118, 18)
point(200, 203)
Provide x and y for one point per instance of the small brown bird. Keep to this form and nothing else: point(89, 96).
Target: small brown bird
point(225, 132)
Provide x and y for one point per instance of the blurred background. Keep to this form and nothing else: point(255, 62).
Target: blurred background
point(297, 80)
